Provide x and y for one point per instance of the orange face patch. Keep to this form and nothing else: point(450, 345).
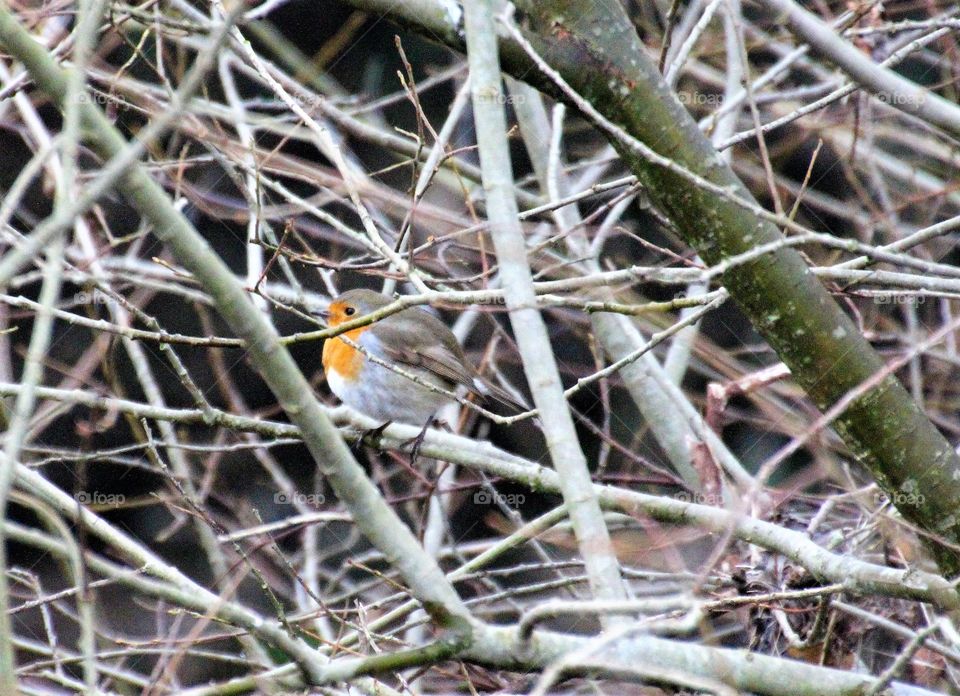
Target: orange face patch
point(340, 312)
point(341, 357)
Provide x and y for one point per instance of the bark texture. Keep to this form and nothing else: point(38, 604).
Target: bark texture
point(595, 49)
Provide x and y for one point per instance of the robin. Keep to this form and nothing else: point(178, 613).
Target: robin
point(414, 341)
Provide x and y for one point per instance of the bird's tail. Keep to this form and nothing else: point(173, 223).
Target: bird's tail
point(491, 392)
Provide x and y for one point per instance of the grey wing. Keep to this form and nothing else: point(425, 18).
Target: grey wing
point(443, 358)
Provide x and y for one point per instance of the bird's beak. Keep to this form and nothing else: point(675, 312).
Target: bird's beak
point(322, 313)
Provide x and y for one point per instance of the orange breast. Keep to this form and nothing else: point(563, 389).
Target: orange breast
point(343, 358)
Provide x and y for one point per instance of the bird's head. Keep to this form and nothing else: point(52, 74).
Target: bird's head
point(353, 304)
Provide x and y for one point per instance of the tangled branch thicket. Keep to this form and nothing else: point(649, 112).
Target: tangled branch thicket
point(166, 528)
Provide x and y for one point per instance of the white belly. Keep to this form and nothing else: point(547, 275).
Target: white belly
point(387, 396)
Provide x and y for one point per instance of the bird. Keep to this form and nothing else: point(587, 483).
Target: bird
point(412, 340)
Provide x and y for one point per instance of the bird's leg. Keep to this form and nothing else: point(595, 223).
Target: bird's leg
point(418, 440)
point(372, 436)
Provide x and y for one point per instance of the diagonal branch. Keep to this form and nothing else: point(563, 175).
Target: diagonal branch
point(595, 49)
point(539, 363)
point(893, 89)
point(373, 516)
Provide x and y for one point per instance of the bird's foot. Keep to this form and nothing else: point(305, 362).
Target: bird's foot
point(372, 436)
point(417, 441)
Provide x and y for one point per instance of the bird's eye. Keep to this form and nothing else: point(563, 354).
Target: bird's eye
point(349, 311)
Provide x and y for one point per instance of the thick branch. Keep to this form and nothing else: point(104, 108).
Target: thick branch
point(893, 89)
point(595, 49)
point(539, 364)
point(374, 517)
